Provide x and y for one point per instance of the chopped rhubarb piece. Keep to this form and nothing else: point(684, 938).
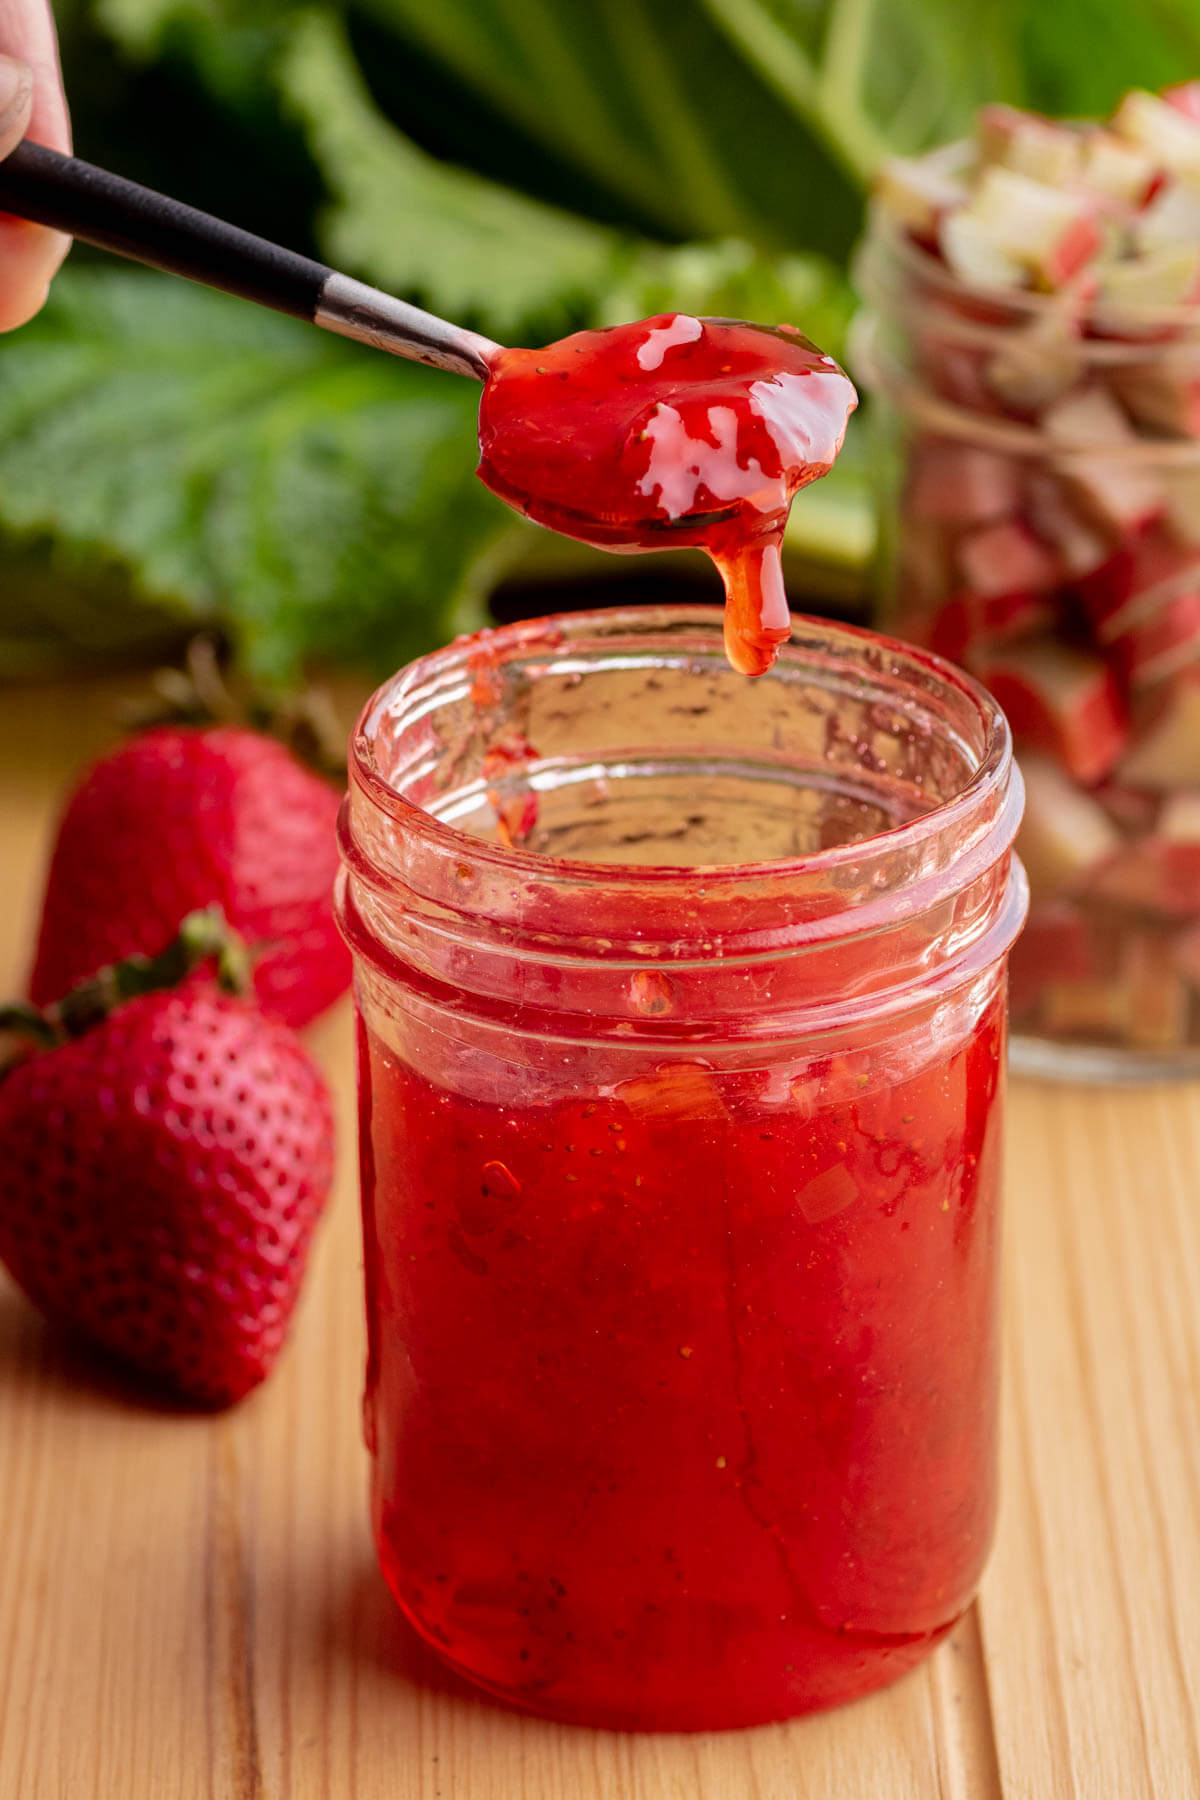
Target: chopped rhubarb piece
point(1182, 518)
point(972, 252)
point(917, 194)
point(1162, 644)
point(1006, 558)
point(1156, 993)
point(1063, 701)
point(955, 371)
point(924, 574)
point(1065, 835)
point(1051, 233)
point(1132, 810)
point(1111, 593)
point(1169, 276)
point(1084, 1009)
point(1119, 171)
point(1025, 380)
point(1080, 548)
point(958, 484)
point(969, 624)
point(1036, 363)
point(1166, 753)
point(1088, 417)
point(1119, 495)
point(1055, 945)
point(1033, 146)
point(1153, 876)
point(827, 1194)
point(1136, 582)
point(1160, 395)
point(1179, 820)
point(679, 1090)
point(1164, 130)
point(1134, 879)
point(1184, 98)
point(1172, 219)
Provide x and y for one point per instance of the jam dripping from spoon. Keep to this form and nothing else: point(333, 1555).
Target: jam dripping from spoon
point(671, 431)
point(674, 430)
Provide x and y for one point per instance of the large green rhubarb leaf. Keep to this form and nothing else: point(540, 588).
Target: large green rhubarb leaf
point(314, 496)
point(473, 250)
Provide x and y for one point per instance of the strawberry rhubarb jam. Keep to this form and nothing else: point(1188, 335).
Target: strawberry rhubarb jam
point(680, 1049)
point(668, 432)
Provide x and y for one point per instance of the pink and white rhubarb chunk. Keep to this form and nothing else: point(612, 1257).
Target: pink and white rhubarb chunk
point(1166, 132)
point(1116, 170)
point(1156, 995)
point(1062, 701)
point(1167, 752)
point(1184, 98)
point(969, 625)
point(1035, 365)
point(1049, 232)
point(1065, 835)
point(1030, 144)
point(1119, 494)
point(1078, 545)
point(1164, 277)
point(1171, 221)
point(1136, 582)
point(917, 194)
point(1161, 645)
point(959, 484)
point(972, 253)
point(1161, 396)
point(1158, 874)
point(1056, 945)
point(1182, 517)
point(1006, 558)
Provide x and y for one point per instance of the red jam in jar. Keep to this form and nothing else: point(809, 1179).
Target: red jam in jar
point(668, 432)
point(681, 1010)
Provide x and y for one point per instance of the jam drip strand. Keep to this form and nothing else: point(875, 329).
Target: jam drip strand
point(670, 432)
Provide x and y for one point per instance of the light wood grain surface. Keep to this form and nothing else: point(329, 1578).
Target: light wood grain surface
point(189, 1607)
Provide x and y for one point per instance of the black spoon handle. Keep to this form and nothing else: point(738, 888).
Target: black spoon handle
point(106, 210)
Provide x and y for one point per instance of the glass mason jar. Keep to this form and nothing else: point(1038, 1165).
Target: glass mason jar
point(1041, 461)
point(681, 1047)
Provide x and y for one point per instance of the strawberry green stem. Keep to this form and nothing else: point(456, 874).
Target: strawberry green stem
point(199, 695)
point(202, 936)
point(23, 1020)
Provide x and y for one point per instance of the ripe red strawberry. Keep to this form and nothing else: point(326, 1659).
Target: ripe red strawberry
point(181, 818)
point(161, 1174)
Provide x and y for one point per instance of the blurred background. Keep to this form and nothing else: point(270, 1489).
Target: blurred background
point(171, 458)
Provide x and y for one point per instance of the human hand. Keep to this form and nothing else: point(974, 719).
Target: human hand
point(31, 103)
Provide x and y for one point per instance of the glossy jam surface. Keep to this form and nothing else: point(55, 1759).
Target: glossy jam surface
point(672, 431)
point(681, 1388)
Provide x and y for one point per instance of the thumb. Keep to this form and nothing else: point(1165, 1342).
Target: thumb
point(16, 102)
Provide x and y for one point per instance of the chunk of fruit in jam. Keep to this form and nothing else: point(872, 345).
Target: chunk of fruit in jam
point(668, 432)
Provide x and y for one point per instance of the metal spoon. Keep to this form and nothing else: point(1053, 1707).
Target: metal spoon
point(104, 209)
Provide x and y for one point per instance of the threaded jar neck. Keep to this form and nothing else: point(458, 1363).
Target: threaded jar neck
point(594, 819)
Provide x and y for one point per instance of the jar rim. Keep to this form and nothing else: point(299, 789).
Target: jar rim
point(555, 632)
point(857, 932)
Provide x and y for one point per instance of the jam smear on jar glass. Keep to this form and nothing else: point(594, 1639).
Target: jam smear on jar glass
point(669, 432)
